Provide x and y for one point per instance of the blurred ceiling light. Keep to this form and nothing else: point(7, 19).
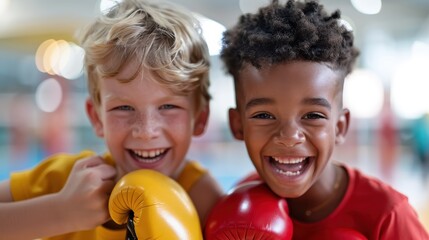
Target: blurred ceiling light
point(105, 5)
point(60, 51)
point(72, 65)
point(252, 6)
point(51, 49)
point(4, 6)
point(420, 50)
point(363, 93)
point(212, 33)
point(40, 54)
point(48, 95)
point(60, 58)
point(410, 84)
point(367, 6)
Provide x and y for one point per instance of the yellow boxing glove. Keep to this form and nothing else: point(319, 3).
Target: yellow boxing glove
point(160, 208)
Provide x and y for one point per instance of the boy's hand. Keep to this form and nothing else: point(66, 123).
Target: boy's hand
point(84, 197)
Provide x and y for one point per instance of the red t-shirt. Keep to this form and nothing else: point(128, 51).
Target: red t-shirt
point(370, 207)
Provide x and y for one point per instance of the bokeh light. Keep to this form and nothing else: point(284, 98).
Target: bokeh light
point(105, 5)
point(410, 84)
point(4, 5)
point(363, 93)
point(212, 33)
point(367, 6)
point(59, 57)
point(40, 54)
point(58, 54)
point(48, 95)
point(72, 65)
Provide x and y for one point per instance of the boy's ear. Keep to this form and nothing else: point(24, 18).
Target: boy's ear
point(201, 121)
point(94, 118)
point(235, 124)
point(342, 126)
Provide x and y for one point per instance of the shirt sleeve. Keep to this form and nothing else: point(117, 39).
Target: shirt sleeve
point(402, 223)
point(47, 177)
point(192, 172)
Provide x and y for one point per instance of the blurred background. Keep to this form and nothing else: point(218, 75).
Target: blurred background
point(43, 89)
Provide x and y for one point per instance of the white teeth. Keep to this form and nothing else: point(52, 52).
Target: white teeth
point(150, 153)
point(289, 160)
point(288, 173)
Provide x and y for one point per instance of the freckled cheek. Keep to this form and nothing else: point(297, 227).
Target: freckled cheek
point(117, 125)
point(179, 122)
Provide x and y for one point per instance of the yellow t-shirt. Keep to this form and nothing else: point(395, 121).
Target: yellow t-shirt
point(51, 175)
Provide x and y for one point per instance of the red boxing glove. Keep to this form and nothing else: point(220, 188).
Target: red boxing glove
point(250, 211)
point(337, 234)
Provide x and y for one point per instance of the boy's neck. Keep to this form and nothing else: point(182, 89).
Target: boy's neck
point(320, 201)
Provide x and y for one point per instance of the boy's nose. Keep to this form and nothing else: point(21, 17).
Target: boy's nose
point(289, 135)
point(146, 127)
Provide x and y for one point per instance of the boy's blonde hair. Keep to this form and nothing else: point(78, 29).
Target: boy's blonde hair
point(162, 38)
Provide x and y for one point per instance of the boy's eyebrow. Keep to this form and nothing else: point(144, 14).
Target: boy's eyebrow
point(113, 97)
point(317, 101)
point(258, 101)
point(307, 101)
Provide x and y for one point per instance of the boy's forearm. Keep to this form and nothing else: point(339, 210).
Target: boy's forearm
point(34, 218)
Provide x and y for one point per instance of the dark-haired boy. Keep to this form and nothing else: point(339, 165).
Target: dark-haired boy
point(289, 63)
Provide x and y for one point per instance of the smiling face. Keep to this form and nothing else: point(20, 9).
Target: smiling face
point(290, 116)
point(144, 124)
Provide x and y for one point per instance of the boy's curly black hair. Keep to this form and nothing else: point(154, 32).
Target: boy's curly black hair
point(293, 31)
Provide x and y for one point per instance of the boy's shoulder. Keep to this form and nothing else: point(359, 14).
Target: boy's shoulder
point(191, 173)
point(59, 164)
point(65, 161)
point(372, 191)
point(47, 177)
point(377, 209)
point(60, 161)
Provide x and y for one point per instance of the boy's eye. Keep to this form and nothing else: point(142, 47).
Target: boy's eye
point(314, 116)
point(263, 116)
point(124, 108)
point(168, 106)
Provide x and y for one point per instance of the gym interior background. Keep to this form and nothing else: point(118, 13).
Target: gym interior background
point(42, 88)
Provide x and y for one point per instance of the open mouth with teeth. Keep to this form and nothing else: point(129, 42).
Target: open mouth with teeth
point(148, 156)
point(290, 166)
